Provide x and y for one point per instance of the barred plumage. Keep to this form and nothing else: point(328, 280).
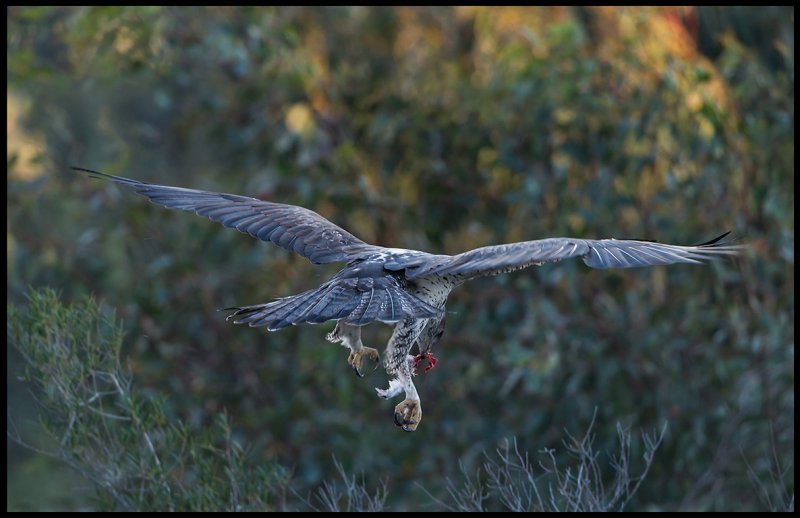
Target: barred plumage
point(407, 288)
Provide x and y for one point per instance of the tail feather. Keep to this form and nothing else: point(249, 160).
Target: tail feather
point(414, 307)
point(281, 318)
point(357, 303)
point(391, 309)
point(289, 316)
point(367, 308)
point(314, 312)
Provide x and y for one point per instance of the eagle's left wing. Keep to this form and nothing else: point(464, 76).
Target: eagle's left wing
point(604, 253)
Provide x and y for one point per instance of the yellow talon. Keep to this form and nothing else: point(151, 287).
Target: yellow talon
point(408, 414)
point(356, 359)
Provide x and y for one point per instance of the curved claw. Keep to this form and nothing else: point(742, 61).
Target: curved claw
point(398, 420)
point(356, 358)
point(408, 414)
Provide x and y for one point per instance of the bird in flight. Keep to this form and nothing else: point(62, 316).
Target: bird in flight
point(405, 288)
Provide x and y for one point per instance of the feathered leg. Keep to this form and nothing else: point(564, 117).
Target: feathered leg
point(407, 414)
point(350, 336)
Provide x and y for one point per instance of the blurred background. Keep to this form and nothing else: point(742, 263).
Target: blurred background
point(441, 129)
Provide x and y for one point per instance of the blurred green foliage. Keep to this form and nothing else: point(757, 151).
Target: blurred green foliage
point(116, 436)
point(440, 129)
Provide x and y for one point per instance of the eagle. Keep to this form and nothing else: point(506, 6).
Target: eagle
point(404, 288)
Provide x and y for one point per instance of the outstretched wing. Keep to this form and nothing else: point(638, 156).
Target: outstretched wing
point(294, 228)
point(604, 253)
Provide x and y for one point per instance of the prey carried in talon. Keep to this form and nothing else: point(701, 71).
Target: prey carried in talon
point(406, 289)
point(427, 356)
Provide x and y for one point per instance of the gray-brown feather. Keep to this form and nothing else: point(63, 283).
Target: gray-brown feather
point(355, 300)
point(604, 253)
point(294, 228)
point(389, 284)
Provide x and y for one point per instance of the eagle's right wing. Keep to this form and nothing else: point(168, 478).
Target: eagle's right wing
point(294, 228)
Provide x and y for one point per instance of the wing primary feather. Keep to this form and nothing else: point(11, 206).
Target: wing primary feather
point(715, 240)
point(279, 223)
